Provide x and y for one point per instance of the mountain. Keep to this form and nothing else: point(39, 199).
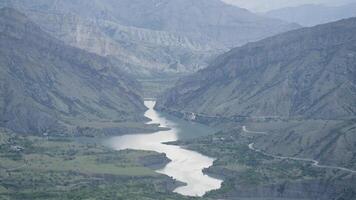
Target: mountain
point(141, 52)
point(46, 85)
point(297, 90)
point(209, 21)
point(179, 36)
point(312, 14)
point(307, 73)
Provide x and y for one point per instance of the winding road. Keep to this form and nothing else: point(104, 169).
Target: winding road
point(256, 132)
point(15, 168)
point(315, 163)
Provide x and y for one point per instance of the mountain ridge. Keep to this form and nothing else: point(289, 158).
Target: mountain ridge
point(181, 44)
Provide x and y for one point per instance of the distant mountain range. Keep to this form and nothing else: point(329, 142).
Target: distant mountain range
point(306, 73)
point(46, 85)
point(148, 37)
point(312, 14)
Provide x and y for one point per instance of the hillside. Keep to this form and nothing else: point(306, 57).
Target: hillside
point(46, 85)
point(307, 73)
point(141, 52)
point(330, 142)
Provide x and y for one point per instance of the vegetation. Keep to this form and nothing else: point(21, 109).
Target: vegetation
point(63, 168)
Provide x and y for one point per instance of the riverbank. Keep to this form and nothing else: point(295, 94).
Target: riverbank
point(331, 142)
point(185, 165)
point(54, 168)
point(50, 167)
point(252, 175)
point(114, 129)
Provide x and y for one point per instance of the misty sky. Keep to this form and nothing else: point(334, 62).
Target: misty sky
point(265, 5)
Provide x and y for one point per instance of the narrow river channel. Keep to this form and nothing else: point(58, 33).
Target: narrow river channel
point(185, 166)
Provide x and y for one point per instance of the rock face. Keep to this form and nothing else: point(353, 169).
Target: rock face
point(207, 21)
point(46, 85)
point(307, 73)
point(146, 37)
point(311, 14)
point(141, 52)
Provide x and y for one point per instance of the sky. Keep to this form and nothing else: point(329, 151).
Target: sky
point(265, 5)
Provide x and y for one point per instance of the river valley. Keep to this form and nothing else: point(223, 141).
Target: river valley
point(186, 165)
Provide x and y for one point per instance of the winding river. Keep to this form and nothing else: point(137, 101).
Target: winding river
point(185, 166)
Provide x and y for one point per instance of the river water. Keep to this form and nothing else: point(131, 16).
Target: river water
point(185, 166)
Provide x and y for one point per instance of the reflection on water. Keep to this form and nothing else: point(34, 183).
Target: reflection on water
point(186, 166)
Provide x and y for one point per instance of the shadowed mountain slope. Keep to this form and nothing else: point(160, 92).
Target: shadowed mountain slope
point(47, 85)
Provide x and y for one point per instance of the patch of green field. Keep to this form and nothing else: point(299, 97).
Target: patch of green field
point(63, 169)
point(3, 190)
point(85, 164)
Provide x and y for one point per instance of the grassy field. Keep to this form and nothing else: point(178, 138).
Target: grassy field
point(60, 168)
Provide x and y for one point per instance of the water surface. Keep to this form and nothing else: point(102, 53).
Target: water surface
point(185, 166)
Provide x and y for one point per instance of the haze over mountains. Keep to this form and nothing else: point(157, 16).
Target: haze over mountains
point(259, 6)
point(312, 14)
point(49, 86)
point(148, 37)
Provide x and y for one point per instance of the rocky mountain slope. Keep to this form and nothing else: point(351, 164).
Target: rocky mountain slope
point(141, 52)
point(295, 93)
point(46, 85)
point(209, 21)
point(312, 14)
point(331, 142)
point(178, 36)
point(307, 73)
